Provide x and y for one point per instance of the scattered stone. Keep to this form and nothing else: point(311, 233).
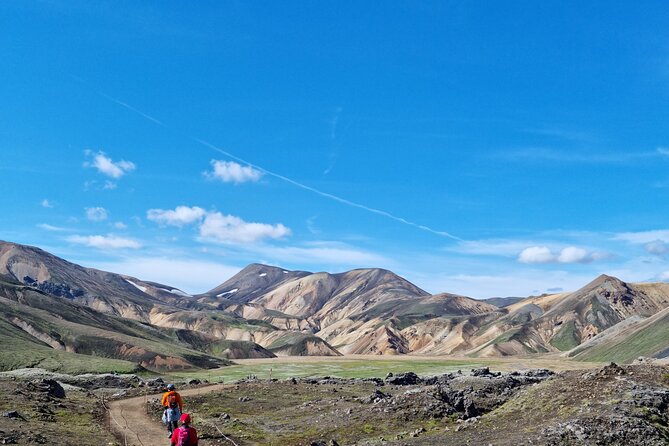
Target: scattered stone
point(417, 432)
point(375, 397)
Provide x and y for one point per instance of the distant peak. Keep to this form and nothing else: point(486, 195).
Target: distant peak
point(602, 280)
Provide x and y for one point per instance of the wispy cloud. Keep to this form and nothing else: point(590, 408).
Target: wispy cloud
point(107, 166)
point(562, 133)
point(48, 227)
point(333, 123)
point(323, 253)
point(311, 225)
point(492, 247)
point(642, 237)
point(188, 274)
point(575, 156)
point(104, 242)
point(232, 172)
point(96, 213)
point(46, 204)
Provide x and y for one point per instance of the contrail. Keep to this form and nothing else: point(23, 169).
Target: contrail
point(286, 179)
point(131, 108)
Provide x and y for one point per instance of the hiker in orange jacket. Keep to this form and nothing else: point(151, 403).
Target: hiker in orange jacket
point(174, 406)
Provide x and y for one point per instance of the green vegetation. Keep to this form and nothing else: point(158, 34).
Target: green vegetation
point(567, 337)
point(645, 342)
point(341, 368)
point(57, 322)
point(19, 350)
point(504, 337)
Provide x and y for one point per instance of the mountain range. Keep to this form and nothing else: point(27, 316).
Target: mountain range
point(60, 315)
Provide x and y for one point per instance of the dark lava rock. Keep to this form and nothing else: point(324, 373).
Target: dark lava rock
point(13, 414)
point(52, 388)
point(537, 373)
point(404, 379)
point(157, 382)
point(484, 371)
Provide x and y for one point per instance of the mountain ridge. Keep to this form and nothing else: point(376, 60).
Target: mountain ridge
point(266, 310)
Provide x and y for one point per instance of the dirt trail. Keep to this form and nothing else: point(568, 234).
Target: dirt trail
point(129, 419)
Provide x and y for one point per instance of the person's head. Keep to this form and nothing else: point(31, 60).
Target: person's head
point(185, 419)
point(170, 387)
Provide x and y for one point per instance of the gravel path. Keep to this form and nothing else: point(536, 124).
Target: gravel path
point(129, 419)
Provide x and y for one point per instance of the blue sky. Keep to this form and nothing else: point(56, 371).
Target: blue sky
point(482, 148)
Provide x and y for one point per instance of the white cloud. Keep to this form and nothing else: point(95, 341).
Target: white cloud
point(107, 166)
point(120, 225)
point(663, 151)
point(230, 229)
point(573, 254)
point(96, 213)
point(536, 254)
point(109, 185)
point(46, 204)
point(104, 241)
point(180, 216)
point(218, 227)
point(656, 247)
point(570, 254)
point(232, 172)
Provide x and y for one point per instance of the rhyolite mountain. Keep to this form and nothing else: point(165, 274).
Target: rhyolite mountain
point(265, 311)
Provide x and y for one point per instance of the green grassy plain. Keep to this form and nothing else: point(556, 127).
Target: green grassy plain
point(341, 368)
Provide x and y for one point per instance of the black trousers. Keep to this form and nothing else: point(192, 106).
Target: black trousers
point(171, 426)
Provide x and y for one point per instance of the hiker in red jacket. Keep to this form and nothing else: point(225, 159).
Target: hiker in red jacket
point(185, 435)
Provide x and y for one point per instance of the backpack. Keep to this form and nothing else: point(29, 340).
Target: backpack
point(183, 436)
point(172, 400)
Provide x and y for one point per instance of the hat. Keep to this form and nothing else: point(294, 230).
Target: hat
point(185, 418)
point(170, 386)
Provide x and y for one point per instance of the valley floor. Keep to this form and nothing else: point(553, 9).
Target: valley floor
point(366, 366)
point(510, 402)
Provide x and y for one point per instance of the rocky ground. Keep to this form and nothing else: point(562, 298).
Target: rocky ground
point(42, 411)
point(612, 405)
point(609, 406)
point(42, 407)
